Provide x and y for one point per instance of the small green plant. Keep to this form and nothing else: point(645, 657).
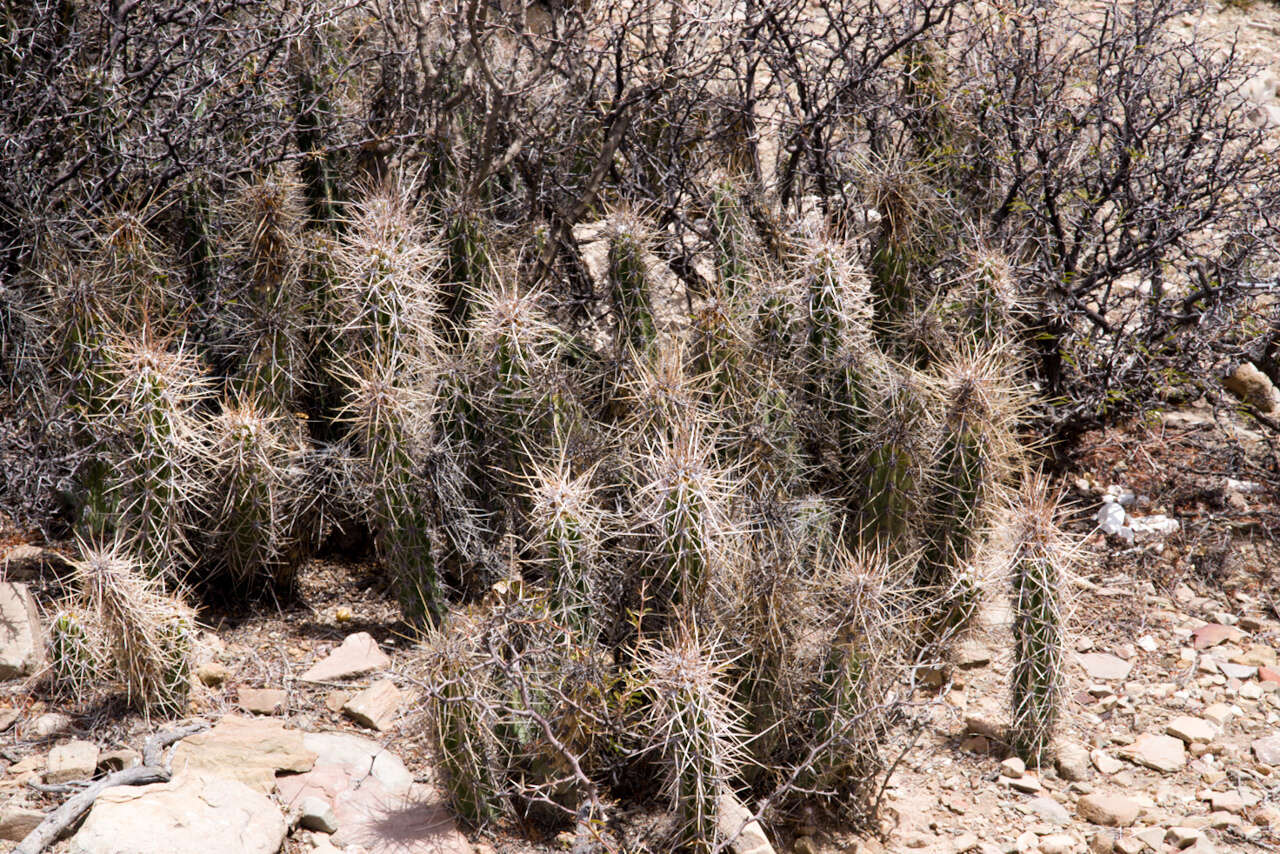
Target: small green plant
point(149, 635)
point(75, 652)
point(567, 526)
point(693, 728)
point(462, 712)
point(1041, 555)
point(688, 499)
point(391, 423)
point(257, 465)
point(153, 441)
point(975, 457)
point(266, 245)
point(629, 281)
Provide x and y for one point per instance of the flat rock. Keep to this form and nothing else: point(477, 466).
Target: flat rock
point(359, 757)
point(1191, 729)
point(249, 750)
point(1104, 666)
point(1049, 810)
point(1212, 634)
point(1237, 671)
point(376, 706)
point(1162, 753)
point(376, 804)
point(75, 760)
point(262, 701)
point(1267, 750)
point(1107, 810)
point(192, 814)
point(8, 717)
point(1183, 837)
point(1220, 713)
point(1105, 762)
point(1257, 655)
point(17, 822)
point(21, 637)
point(1269, 674)
point(1230, 802)
point(335, 700)
point(357, 655)
point(1057, 843)
point(1013, 767)
point(984, 726)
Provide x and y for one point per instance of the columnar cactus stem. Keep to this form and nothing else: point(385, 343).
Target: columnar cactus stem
point(1041, 555)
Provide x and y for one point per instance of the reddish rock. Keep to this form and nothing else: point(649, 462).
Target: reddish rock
point(358, 654)
point(1269, 674)
point(1212, 634)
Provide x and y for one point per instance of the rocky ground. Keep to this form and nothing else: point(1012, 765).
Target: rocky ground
point(1170, 732)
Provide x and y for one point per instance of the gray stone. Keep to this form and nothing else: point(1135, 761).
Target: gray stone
point(1267, 750)
point(1162, 753)
point(358, 654)
point(51, 723)
point(1107, 810)
point(1191, 729)
point(1103, 666)
point(75, 760)
point(1072, 762)
point(21, 638)
point(192, 814)
point(262, 701)
point(1050, 810)
point(248, 750)
point(1237, 671)
point(376, 706)
point(315, 813)
point(1057, 843)
point(17, 822)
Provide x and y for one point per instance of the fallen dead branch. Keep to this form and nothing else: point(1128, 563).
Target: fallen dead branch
point(151, 771)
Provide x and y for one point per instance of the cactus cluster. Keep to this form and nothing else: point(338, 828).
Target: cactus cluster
point(678, 541)
point(121, 627)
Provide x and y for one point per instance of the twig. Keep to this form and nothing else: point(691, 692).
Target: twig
point(56, 822)
point(152, 771)
point(154, 744)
